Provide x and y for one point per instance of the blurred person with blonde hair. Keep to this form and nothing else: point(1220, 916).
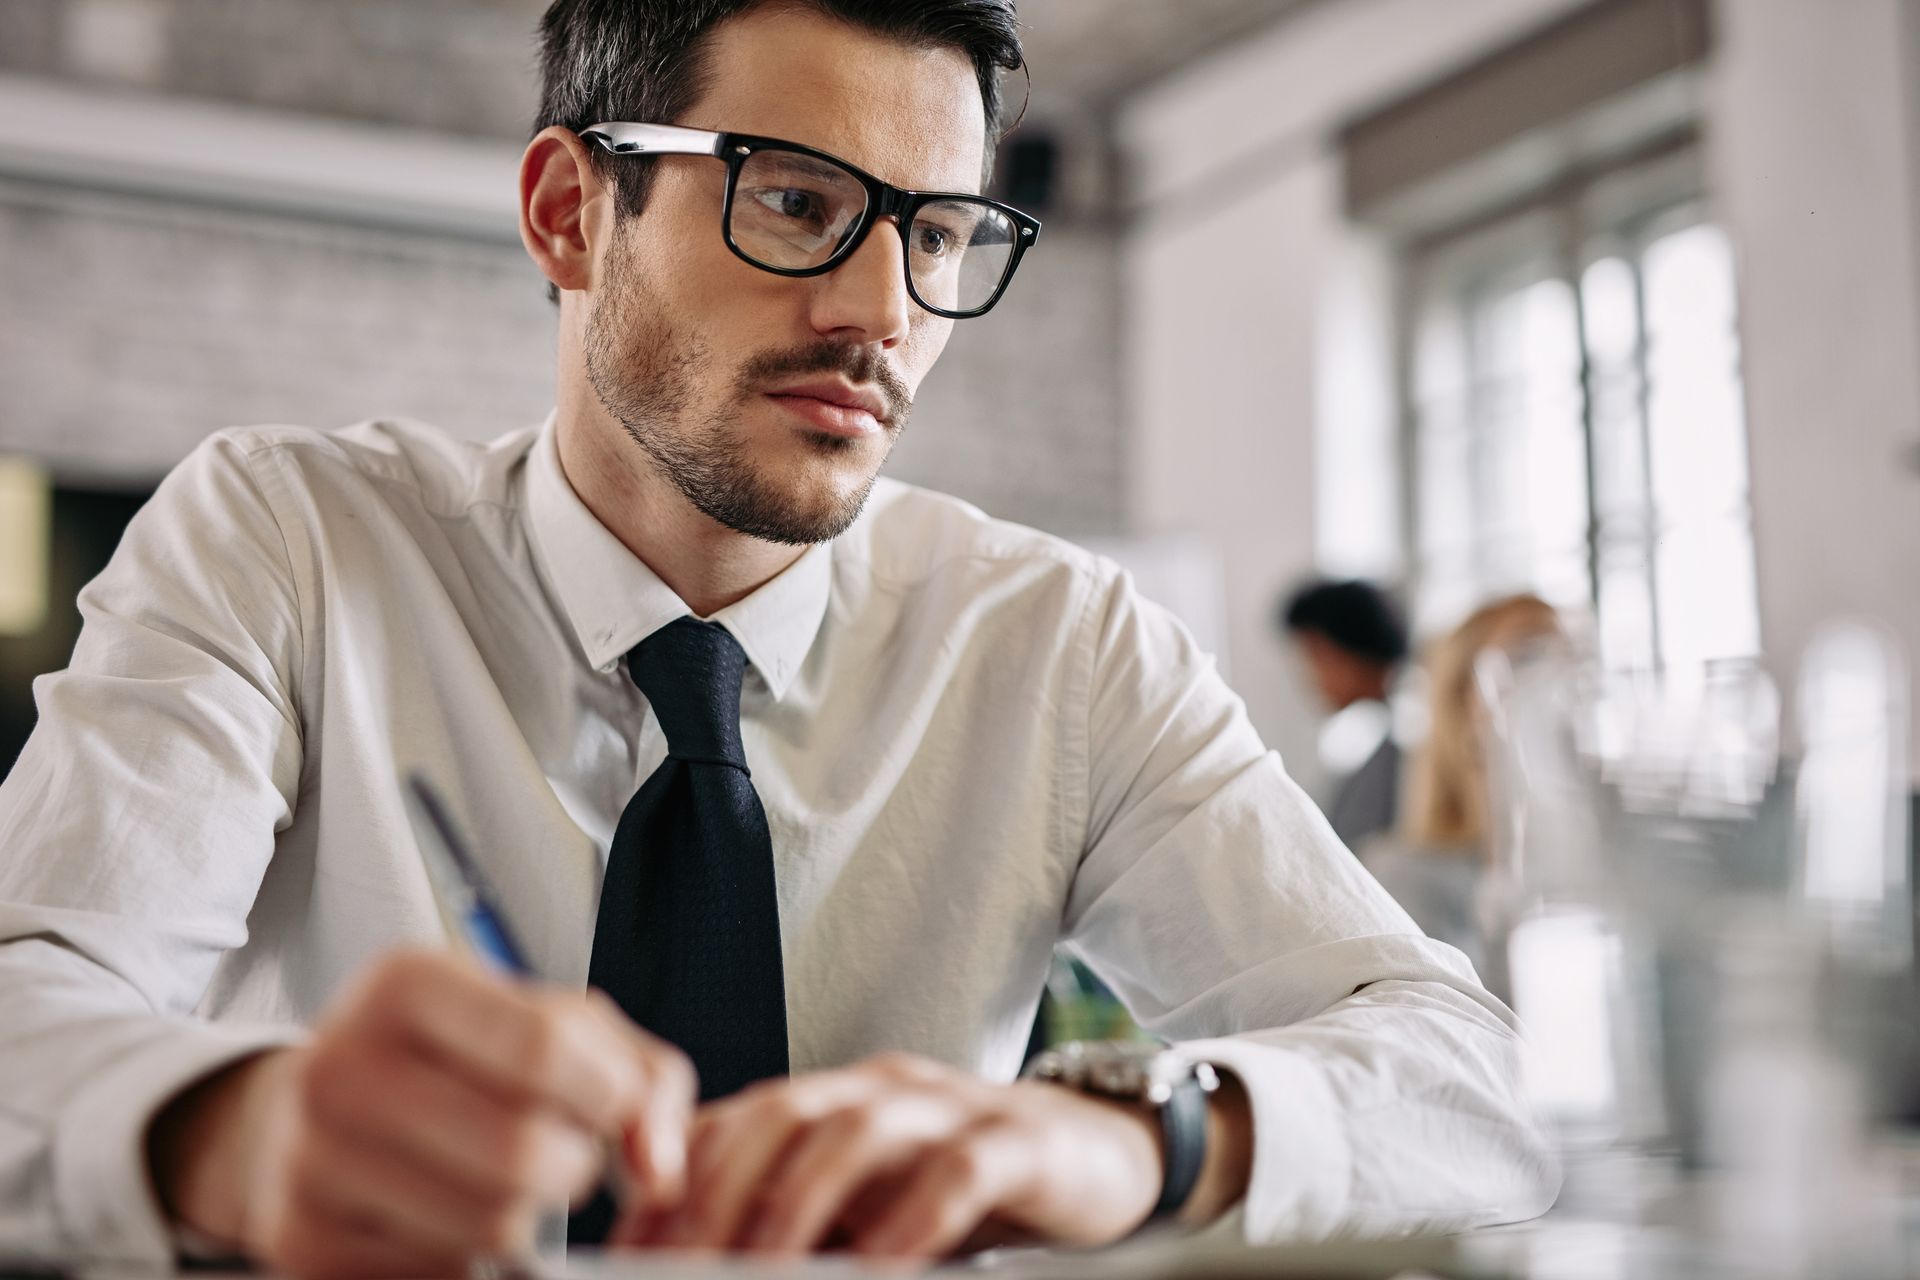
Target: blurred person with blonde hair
point(1434, 865)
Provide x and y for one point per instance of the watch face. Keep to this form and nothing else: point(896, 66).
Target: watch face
point(1128, 1069)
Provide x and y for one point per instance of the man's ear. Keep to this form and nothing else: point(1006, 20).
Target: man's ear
point(564, 209)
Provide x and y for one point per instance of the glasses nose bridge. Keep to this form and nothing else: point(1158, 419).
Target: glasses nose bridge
point(892, 202)
point(883, 201)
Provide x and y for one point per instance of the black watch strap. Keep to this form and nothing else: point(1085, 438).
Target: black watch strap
point(1183, 1123)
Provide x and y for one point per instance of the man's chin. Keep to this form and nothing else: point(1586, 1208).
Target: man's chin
point(822, 517)
point(805, 510)
point(837, 473)
point(828, 445)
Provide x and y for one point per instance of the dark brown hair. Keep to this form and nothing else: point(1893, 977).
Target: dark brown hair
point(646, 60)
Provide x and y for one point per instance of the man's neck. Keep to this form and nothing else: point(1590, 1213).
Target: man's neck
point(705, 563)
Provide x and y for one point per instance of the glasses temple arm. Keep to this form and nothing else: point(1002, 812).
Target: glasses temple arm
point(631, 138)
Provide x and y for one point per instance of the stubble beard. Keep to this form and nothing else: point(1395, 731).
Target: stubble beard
point(645, 374)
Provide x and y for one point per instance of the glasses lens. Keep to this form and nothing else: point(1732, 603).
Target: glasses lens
point(792, 211)
point(958, 251)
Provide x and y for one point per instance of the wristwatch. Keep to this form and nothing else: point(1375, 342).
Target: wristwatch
point(1148, 1075)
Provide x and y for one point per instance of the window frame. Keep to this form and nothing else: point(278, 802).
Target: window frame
point(1619, 207)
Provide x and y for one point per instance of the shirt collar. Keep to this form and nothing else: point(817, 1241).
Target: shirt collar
point(614, 601)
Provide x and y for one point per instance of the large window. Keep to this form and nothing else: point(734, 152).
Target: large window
point(1575, 425)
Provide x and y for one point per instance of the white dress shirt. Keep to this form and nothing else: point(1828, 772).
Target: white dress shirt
point(972, 741)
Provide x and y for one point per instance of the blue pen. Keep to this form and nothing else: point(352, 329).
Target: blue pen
point(471, 911)
point(462, 893)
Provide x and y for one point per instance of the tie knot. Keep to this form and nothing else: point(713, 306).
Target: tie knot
point(690, 672)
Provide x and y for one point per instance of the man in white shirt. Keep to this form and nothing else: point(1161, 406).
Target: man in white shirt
point(946, 743)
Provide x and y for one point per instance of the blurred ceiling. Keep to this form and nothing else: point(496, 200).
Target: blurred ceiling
point(466, 66)
point(1090, 52)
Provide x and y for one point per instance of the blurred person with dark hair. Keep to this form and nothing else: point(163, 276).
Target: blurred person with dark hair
point(1354, 642)
point(1435, 862)
point(803, 771)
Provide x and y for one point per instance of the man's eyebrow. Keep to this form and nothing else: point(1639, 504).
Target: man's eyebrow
point(812, 166)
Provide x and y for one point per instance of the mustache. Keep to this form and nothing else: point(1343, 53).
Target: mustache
point(856, 364)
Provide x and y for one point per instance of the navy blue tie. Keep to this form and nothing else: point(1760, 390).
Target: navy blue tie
point(688, 935)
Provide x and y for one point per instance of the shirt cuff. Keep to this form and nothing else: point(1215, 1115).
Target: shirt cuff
point(108, 1208)
point(1301, 1159)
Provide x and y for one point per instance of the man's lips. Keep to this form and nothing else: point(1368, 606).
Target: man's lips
point(834, 407)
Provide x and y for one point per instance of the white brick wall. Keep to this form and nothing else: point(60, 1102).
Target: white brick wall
point(129, 329)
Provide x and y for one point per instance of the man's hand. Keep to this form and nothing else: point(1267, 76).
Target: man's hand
point(899, 1157)
point(437, 1112)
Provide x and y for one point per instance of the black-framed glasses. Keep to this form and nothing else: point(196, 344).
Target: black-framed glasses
point(796, 211)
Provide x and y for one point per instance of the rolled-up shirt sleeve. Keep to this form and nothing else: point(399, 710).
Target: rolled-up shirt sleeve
point(1217, 902)
point(134, 832)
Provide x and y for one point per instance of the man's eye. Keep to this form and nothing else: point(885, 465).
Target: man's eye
point(934, 241)
point(795, 203)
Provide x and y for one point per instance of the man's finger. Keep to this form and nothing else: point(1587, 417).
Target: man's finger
point(735, 1142)
point(839, 1155)
point(640, 1225)
point(517, 1039)
point(468, 1136)
point(733, 1145)
point(985, 1169)
point(653, 1137)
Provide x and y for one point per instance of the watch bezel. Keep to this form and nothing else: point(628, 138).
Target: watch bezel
point(1129, 1070)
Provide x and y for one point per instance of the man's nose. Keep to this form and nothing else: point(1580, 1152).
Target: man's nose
point(865, 298)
